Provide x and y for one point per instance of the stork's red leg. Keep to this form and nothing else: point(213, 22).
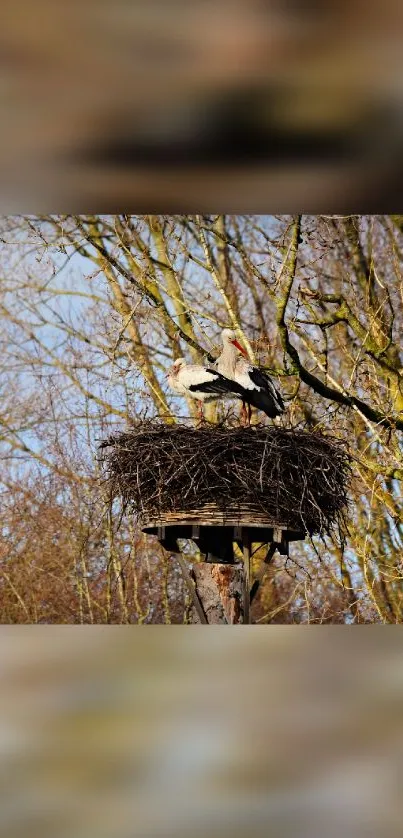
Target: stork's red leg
point(249, 414)
point(243, 414)
point(201, 414)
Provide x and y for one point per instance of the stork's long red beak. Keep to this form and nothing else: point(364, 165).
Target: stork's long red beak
point(241, 349)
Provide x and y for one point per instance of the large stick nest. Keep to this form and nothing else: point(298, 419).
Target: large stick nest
point(296, 477)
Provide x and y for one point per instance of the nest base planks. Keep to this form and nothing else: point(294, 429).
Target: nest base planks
point(213, 516)
point(215, 531)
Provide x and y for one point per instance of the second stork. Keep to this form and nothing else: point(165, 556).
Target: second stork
point(259, 389)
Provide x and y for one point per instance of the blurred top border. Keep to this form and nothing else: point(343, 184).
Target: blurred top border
point(178, 107)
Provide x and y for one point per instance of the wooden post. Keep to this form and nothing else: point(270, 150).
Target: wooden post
point(220, 589)
point(262, 572)
point(189, 579)
point(247, 573)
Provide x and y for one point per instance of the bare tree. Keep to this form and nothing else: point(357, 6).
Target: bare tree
point(93, 310)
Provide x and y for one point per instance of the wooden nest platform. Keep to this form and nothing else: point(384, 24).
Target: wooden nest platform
point(221, 486)
point(260, 477)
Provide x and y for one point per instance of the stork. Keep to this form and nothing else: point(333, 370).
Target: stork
point(201, 383)
point(259, 389)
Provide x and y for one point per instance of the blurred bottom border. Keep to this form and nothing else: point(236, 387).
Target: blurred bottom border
point(160, 731)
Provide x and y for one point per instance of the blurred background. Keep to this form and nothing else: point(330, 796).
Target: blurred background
point(173, 105)
point(162, 734)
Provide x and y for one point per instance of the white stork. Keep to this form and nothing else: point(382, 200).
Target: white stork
point(259, 390)
point(201, 383)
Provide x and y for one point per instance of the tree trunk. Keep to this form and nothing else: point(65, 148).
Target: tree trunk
point(220, 591)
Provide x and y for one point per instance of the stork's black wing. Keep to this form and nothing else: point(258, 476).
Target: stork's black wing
point(220, 385)
point(266, 397)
